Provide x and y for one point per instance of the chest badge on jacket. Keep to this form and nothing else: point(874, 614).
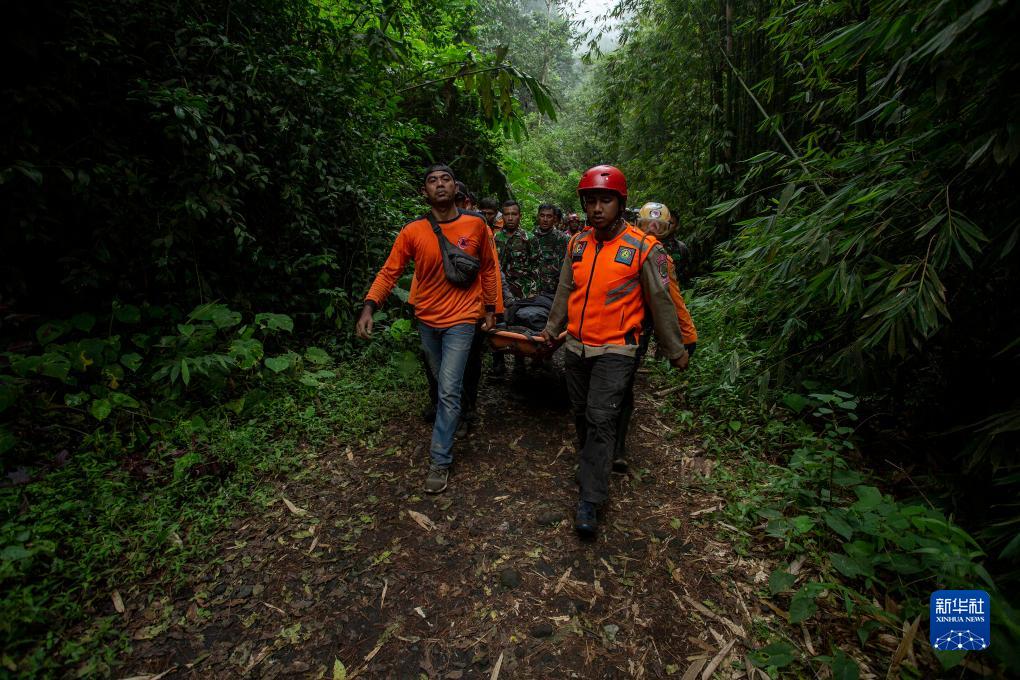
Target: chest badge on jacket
point(625, 255)
point(462, 242)
point(578, 251)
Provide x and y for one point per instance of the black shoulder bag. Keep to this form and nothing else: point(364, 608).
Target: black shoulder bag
point(460, 268)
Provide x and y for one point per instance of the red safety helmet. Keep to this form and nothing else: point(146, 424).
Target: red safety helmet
point(605, 177)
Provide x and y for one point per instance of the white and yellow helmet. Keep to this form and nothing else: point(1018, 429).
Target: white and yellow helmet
point(655, 219)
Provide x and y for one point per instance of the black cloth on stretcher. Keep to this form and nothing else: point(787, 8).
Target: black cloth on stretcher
point(531, 313)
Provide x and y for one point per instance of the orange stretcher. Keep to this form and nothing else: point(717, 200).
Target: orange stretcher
point(523, 342)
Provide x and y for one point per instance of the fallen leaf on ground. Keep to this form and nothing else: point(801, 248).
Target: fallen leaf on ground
point(423, 521)
point(157, 676)
point(295, 509)
point(909, 633)
point(694, 669)
point(495, 669)
point(734, 628)
point(714, 663)
point(263, 653)
point(274, 607)
point(118, 603)
point(563, 579)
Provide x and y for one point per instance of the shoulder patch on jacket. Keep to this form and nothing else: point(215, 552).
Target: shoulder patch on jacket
point(662, 266)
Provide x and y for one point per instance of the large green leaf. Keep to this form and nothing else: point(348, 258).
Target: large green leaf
point(51, 331)
point(83, 322)
point(220, 315)
point(843, 667)
point(123, 400)
point(836, 521)
point(100, 409)
point(55, 365)
point(780, 581)
point(802, 604)
point(132, 361)
point(126, 313)
point(317, 356)
point(776, 655)
point(275, 322)
point(848, 566)
point(278, 364)
point(870, 498)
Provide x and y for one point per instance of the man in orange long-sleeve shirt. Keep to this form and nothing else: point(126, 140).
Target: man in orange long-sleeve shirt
point(446, 313)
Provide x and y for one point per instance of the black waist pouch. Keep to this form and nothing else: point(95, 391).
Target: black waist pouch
point(460, 268)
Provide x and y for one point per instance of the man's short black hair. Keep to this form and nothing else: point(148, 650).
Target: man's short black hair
point(488, 203)
point(511, 203)
point(438, 167)
point(463, 192)
point(559, 213)
point(547, 206)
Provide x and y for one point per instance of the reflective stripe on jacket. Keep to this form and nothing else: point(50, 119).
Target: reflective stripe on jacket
point(605, 288)
point(606, 305)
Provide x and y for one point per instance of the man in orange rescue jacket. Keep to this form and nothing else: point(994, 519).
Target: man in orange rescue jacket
point(612, 276)
point(654, 219)
point(446, 313)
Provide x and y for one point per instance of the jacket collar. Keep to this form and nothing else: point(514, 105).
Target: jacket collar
point(627, 227)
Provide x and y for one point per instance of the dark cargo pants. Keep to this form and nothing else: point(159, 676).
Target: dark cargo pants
point(627, 410)
point(597, 387)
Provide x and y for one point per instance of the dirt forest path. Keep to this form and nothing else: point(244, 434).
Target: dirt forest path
point(357, 566)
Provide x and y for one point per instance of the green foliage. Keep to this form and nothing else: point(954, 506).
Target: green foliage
point(538, 41)
point(263, 154)
point(130, 380)
point(846, 172)
point(813, 495)
point(116, 512)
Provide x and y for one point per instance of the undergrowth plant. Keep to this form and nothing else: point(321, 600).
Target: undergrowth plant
point(140, 495)
point(134, 370)
point(796, 480)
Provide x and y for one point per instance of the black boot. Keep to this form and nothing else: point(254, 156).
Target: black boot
point(587, 522)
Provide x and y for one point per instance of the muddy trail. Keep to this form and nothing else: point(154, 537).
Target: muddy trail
point(354, 572)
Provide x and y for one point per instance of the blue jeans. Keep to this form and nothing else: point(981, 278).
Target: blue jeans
point(447, 351)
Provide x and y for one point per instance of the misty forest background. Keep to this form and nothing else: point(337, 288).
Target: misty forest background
point(196, 195)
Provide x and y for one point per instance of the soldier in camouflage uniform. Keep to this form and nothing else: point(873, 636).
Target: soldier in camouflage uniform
point(548, 247)
point(573, 224)
point(515, 251)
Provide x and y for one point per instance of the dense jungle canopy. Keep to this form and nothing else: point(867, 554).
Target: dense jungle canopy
point(196, 196)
